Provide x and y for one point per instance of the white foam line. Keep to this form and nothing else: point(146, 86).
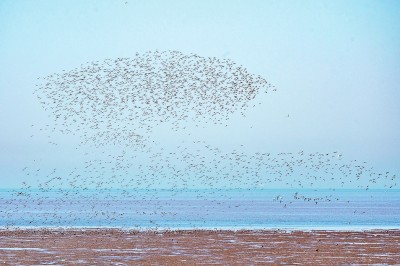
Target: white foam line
point(35, 249)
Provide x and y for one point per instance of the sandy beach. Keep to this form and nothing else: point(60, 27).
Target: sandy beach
point(197, 247)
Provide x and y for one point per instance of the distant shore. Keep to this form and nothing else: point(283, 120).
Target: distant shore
point(88, 246)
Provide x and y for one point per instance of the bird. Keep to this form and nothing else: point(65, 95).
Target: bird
point(114, 106)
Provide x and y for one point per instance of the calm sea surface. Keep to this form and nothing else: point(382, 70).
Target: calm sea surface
point(208, 209)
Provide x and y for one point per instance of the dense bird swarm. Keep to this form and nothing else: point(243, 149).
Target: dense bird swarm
point(121, 100)
point(118, 103)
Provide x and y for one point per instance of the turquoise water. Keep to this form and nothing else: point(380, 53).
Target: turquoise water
point(207, 208)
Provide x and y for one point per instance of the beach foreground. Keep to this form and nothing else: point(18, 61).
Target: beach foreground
point(182, 247)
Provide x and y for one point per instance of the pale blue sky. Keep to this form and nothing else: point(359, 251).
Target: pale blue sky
point(336, 65)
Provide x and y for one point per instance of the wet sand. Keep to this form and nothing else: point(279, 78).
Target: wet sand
point(202, 247)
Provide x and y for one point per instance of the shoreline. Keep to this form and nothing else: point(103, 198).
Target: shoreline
point(217, 229)
point(182, 247)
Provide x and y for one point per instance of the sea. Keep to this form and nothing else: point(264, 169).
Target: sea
point(219, 209)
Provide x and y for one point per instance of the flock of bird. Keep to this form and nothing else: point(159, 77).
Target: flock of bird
point(119, 103)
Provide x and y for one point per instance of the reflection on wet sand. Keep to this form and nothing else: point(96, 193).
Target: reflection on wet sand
point(180, 247)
